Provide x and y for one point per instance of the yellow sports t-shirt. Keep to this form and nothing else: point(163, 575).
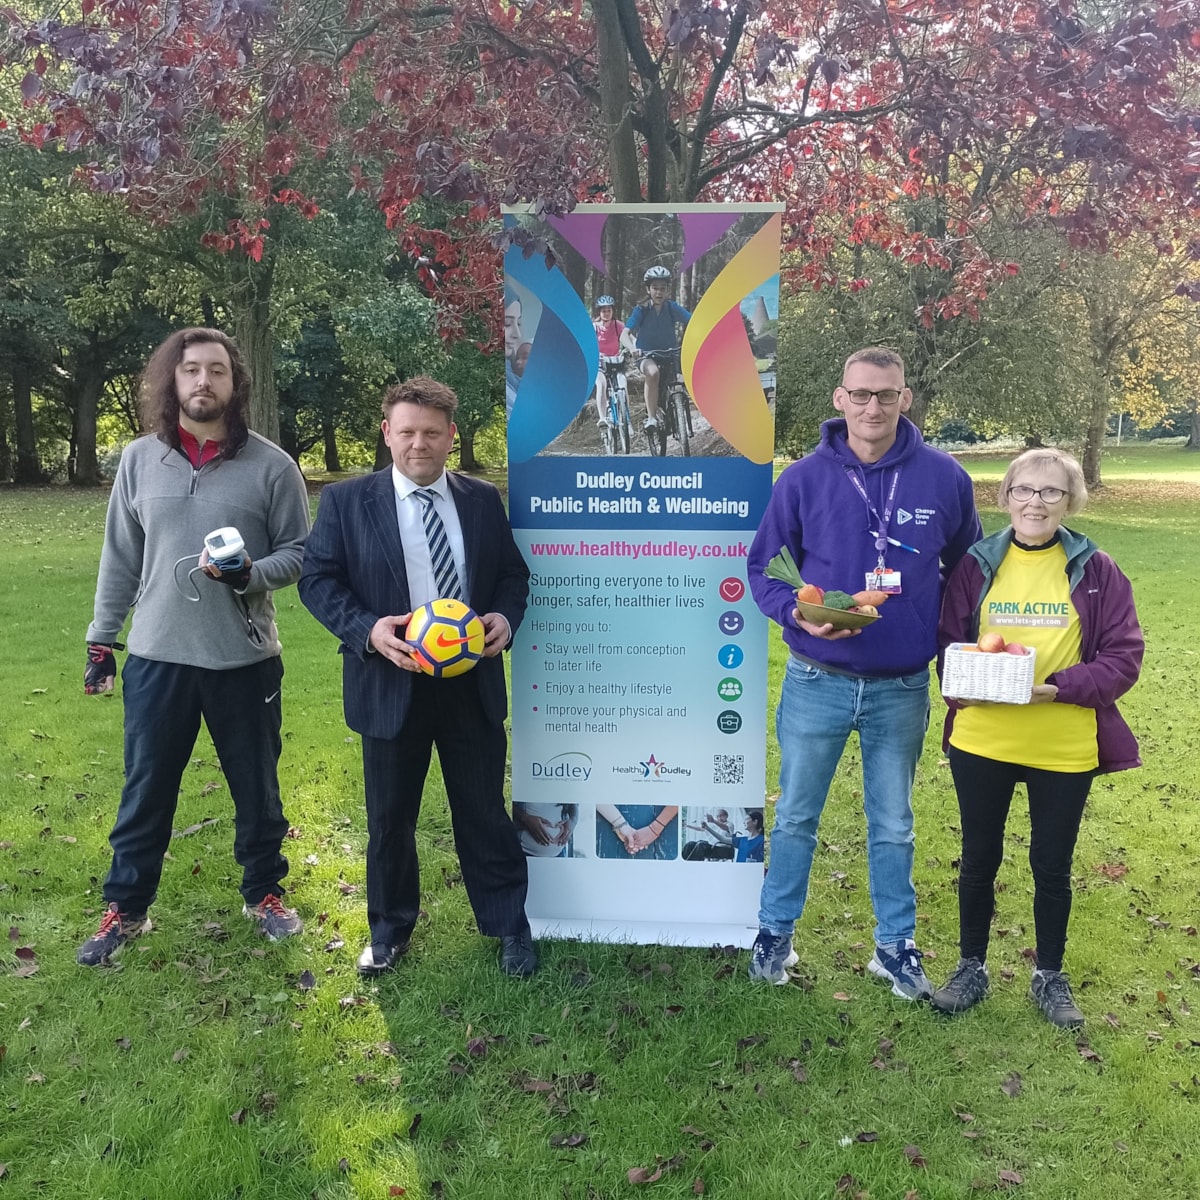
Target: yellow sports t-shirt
point(1030, 602)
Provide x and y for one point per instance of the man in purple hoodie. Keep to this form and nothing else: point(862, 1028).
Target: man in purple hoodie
point(875, 508)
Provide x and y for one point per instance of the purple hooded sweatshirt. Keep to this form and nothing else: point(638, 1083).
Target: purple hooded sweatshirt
point(818, 513)
point(1112, 644)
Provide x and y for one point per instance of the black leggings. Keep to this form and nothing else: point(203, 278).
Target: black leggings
point(1056, 800)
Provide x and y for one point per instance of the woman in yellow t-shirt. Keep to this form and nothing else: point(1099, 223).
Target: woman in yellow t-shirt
point(1040, 585)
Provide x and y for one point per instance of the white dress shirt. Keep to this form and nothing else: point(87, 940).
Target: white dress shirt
point(422, 586)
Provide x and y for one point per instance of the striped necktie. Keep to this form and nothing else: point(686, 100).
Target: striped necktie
point(445, 573)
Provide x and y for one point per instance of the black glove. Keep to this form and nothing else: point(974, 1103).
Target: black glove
point(236, 572)
point(101, 670)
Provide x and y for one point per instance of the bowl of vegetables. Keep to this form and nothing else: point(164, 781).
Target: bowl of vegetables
point(839, 609)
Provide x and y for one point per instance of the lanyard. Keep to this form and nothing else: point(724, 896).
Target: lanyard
point(882, 540)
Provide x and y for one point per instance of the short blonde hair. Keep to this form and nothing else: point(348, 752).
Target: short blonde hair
point(1047, 456)
point(876, 356)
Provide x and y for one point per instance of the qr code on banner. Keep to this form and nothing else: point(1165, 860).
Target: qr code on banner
point(728, 768)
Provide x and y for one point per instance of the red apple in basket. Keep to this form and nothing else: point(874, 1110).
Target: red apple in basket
point(1015, 648)
point(990, 643)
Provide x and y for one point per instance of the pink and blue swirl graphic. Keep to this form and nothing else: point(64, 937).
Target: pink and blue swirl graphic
point(562, 364)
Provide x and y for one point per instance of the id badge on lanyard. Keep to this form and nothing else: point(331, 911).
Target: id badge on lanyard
point(883, 578)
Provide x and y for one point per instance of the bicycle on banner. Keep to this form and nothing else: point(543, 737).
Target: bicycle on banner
point(675, 409)
point(617, 430)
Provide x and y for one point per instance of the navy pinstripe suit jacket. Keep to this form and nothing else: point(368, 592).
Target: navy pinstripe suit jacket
point(354, 574)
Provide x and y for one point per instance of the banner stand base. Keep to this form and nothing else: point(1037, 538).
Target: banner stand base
point(645, 933)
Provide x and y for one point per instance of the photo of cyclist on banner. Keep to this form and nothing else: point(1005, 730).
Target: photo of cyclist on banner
point(612, 392)
point(653, 332)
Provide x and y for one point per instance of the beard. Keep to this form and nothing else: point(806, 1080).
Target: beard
point(203, 407)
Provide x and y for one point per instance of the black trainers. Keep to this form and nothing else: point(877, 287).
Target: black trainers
point(1051, 992)
point(116, 928)
point(964, 989)
point(275, 919)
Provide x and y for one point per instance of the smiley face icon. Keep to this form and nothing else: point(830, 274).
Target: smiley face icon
point(731, 623)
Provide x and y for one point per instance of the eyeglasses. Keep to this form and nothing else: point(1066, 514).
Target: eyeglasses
point(863, 396)
point(1023, 492)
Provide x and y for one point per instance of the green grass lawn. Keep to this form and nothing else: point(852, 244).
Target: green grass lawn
point(213, 1065)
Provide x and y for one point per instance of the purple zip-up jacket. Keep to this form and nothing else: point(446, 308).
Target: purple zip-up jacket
point(1112, 643)
point(818, 514)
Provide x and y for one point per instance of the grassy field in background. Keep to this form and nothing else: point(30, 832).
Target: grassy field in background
point(213, 1065)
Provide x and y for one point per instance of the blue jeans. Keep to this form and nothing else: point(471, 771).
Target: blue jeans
point(817, 711)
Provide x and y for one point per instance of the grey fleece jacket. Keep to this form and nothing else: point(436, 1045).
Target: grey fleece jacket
point(160, 509)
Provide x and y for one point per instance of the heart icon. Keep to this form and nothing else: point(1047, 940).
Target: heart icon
point(732, 589)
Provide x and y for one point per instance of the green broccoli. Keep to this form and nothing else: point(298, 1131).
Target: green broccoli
point(838, 600)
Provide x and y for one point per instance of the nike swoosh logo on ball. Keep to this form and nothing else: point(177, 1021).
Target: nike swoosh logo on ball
point(448, 643)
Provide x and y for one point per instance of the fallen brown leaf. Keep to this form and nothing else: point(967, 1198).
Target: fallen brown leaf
point(567, 1141)
point(643, 1174)
point(1013, 1177)
point(1012, 1084)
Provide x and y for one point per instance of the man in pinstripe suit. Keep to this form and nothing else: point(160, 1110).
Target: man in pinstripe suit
point(368, 563)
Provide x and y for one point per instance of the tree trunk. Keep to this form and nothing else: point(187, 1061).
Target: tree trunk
point(252, 328)
point(333, 461)
point(1193, 442)
point(616, 103)
point(5, 456)
point(28, 468)
point(1097, 426)
point(466, 451)
point(88, 386)
point(654, 108)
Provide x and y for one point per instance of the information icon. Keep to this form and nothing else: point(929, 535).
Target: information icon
point(730, 656)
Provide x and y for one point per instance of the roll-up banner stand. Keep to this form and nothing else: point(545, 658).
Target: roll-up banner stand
point(639, 676)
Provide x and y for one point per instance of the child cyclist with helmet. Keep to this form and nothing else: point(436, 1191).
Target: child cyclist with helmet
point(608, 336)
point(651, 328)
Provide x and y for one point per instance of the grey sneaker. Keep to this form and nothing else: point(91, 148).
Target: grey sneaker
point(275, 919)
point(900, 965)
point(1051, 992)
point(116, 928)
point(771, 957)
point(964, 989)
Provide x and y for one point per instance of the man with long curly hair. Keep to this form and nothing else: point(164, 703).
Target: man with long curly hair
point(203, 642)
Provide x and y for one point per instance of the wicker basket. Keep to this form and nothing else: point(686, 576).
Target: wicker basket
point(970, 674)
